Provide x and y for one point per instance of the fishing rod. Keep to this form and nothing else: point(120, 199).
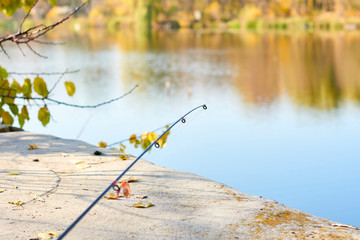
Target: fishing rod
point(113, 184)
point(127, 139)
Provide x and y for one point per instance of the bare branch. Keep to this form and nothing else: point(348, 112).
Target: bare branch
point(2, 48)
point(20, 49)
point(33, 33)
point(48, 43)
point(35, 52)
point(69, 104)
point(26, 16)
point(43, 73)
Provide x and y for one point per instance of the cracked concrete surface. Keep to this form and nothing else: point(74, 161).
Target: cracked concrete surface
point(62, 177)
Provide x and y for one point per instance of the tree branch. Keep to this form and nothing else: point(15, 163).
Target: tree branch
point(69, 104)
point(43, 73)
point(31, 34)
point(26, 16)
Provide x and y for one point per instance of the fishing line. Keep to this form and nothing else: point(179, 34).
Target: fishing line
point(114, 183)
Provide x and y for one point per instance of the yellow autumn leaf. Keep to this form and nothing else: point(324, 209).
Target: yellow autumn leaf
point(44, 116)
point(26, 88)
point(112, 196)
point(40, 87)
point(44, 235)
point(124, 157)
point(83, 165)
point(132, 138)
point(7, 118)
point(102, 144)
point(55, 234)
point(143, 205)
point(47, 235)
point(14, 173)
point(25, 112)
point(76, 161)
point(18, 203)
point(16, 86)
point(130, 179)
point(32, 147)
point(2, 190)
point(70, 88)
point(3, 73)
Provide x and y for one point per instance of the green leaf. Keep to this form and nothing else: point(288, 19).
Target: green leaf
point(21, 119)
point(3, 73)
point(15, 86)
point(25, 112)
point(70, 88)
point(14, 109)
point(40, 87)
point(24, 115)
point(26, 88)
point(44, 116)
point(7, 118)
point(4, 83)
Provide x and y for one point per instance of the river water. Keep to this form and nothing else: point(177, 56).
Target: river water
point(283, 109)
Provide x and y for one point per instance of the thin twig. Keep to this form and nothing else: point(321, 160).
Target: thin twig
point(69, 104)
point(43, 73)
point(26, 16)
point(35, 52)
point(2, 48)
point(48, 43)
point(20, 49)
point(56, 83)
point(33, 33)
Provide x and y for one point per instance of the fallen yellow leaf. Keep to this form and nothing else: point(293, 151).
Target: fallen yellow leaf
point(112, 196)
point(130, 179)
point(2, 190)
point(18, 203)
point(44, 235)
point(47, 235)
point(54, 234)
point(32, 147)
point(141, 197)
point(14, 173)
point(143, 205)
point(82, 165)
point(81, 147)
point(76, 161)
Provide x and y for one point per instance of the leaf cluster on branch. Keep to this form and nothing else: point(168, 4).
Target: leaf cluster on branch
point(35, 91)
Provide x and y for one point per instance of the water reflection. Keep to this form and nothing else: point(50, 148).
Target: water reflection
point(314, 70)
point(259, 135)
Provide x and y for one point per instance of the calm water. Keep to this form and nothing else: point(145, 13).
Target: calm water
point(283, 110)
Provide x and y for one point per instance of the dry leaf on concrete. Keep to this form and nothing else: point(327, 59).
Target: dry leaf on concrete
point(18, 203)
point(32, 147)
point(47, 235)
point(143, 205)
point(112, 196)
point(130, 179)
